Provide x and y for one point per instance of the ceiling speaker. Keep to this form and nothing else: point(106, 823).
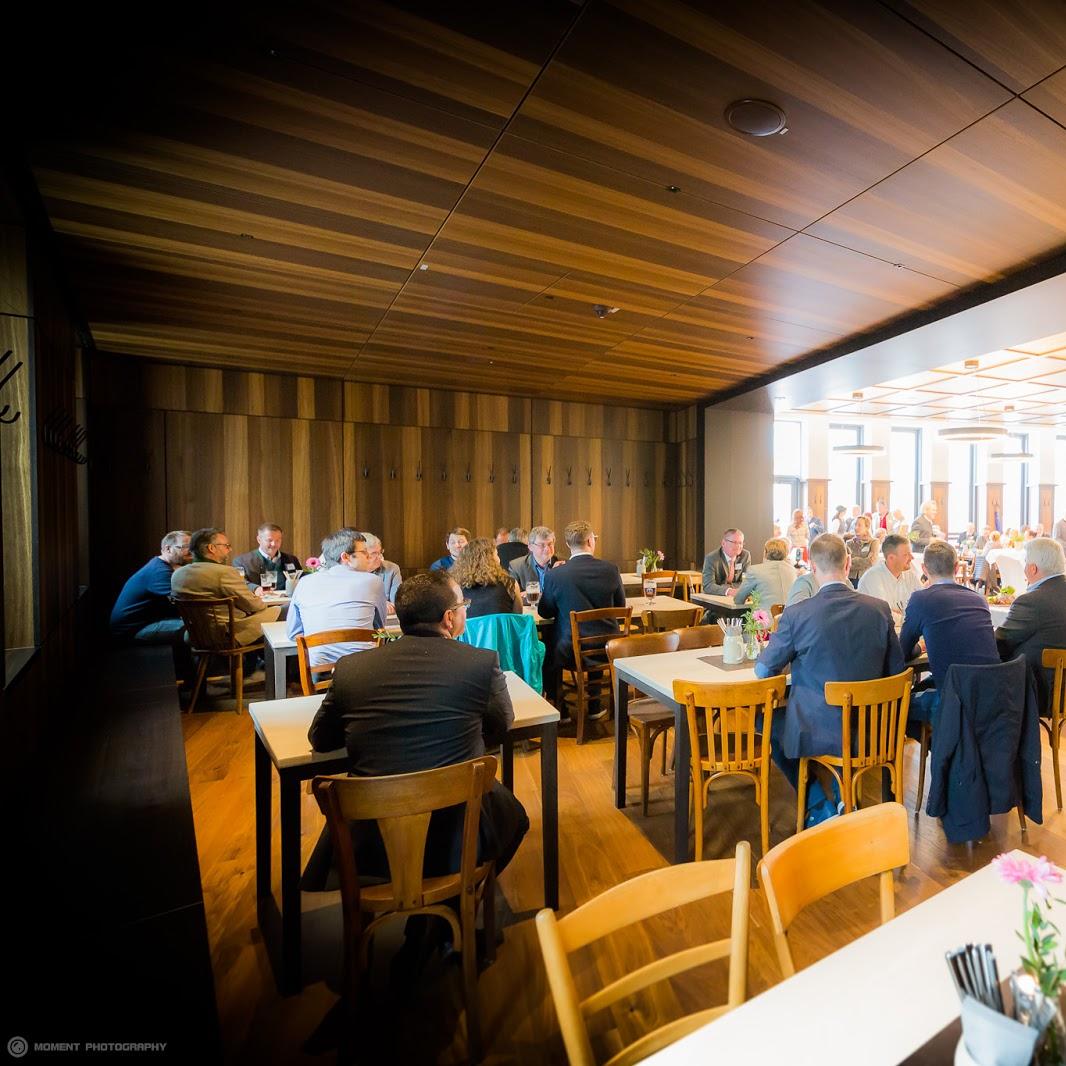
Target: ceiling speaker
point(756, 118)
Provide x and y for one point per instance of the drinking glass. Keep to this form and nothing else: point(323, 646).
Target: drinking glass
point(267, 579)
point(533, 593)
point(651, 586)
point(240, 570)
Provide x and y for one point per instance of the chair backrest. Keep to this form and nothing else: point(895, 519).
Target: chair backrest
point(642, 644)
point(661, 577)
point(209, 621)
point(589, 647)
point(656, 621)
point(693, 583)
point(1055, 659)
point(319, 677)
point(402, 806)
point(873, 717)
point(514, 638)
point(839, 852)
point(632, 901)
point(692, 637)
point(728, 715)
point(776, 610)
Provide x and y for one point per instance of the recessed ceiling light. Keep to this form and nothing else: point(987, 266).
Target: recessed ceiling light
point(673, 188)
point(423, 266)
point(602, 310)
point(756, 118)
point(856, 395)
point(971, 364)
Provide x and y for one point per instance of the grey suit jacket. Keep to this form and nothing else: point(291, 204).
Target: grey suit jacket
point(772, 581)
point(924, 530)
point(716, 570)
point(1037, 620)
point(524, 571)
point(205, 580)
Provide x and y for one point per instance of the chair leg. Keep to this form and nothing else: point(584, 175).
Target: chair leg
point(801, 795)
point(581, 709)
point(469, 952)
point(762, 796)
point(696, 791)
point(923, 755)
point(201, 673)
point(1056, 728)
point(238, 672)
point(1021, 818)
point(645, 767)
point(488, 911)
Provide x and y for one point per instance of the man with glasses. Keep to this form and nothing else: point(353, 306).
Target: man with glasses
point(584, 584)
point(210, 575)
point(724, 568)
point(416, 703)
point(538, 561)
point(388, 572)
point(343, 594)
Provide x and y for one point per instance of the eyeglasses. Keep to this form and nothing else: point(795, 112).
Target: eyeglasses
point(461, 603)
point(219, 544)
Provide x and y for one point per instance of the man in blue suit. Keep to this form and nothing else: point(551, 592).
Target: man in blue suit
point(955, 623)
point(837, 635)
point(585, 583)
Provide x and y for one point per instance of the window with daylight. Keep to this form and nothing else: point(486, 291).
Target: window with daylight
point(962, 460)
point(1015, 482)
point(1060, 477)
point(845, 471)
point(905, 470)
point(788, 470)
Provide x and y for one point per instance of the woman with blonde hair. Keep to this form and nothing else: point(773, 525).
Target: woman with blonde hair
point(488, 587)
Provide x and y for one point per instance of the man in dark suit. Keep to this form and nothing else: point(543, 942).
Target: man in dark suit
point(956, 626)
point(417, 703)
point(836, 635)
point(1037, 619)
point(724, 568)
point(539, 559)
point(515, 548)
point(267, 556)
point(585, 583)
point(924, 527)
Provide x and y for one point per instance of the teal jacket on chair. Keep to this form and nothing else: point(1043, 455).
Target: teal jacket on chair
point(514, 638)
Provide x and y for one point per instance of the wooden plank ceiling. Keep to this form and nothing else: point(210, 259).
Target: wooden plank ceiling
point(439, 194)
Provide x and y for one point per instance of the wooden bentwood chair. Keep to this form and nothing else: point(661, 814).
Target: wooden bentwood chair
point(318, 678)
point(661, 576)
point(1055, 659)
point(873, 733)
point(590, 679)
point(402, 806)
point(211, 627)
point(648, 718)
point(694, 637)
point(839, 852)
point(633, 901)
point(725, 740)
point(655, 621)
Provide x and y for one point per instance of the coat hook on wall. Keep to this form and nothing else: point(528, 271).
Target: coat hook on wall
point(7, 377)
point(444, 472)
point(492, 474)
point(609, 469)
point(514, 474)
point(647, 480)
point(418, 470)
point(63, 435)
point(366, 470)
point(588, 475)
point(627, 477)
point(569, 479)
point(392, 473)
point(548, 479)
point(468, 475)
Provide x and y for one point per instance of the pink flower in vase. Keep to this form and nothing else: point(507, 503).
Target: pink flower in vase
point(762, 619)
point(312, 563)
point(1039, 873)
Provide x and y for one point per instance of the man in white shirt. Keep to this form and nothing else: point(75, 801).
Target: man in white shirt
point(342, 595)
point(892, 578)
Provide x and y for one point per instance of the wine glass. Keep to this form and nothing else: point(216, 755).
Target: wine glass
point(651, 586)
point(533, 593)
point(267, 579)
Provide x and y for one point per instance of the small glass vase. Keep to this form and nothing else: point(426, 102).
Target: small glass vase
point(1032, 1007)
point(752, 647)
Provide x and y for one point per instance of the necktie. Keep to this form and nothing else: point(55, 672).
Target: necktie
point(729, 579)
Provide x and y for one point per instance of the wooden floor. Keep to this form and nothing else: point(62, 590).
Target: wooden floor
point(599, 846)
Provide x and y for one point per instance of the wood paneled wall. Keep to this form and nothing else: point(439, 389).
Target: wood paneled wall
point(682, 434)
point(198, 446)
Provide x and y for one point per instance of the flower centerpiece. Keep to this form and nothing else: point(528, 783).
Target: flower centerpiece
point(1038, 988)
point(757, 624)
point(649, 560)
point(311, 564)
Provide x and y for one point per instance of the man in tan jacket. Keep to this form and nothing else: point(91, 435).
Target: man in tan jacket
point(210, 575)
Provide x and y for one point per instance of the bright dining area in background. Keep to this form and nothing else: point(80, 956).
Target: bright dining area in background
point(535, 534)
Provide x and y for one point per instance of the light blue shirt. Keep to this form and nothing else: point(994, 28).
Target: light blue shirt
point(337, 598)
point(1037, 584)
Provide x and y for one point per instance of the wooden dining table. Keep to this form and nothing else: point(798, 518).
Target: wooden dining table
point(880, 1000)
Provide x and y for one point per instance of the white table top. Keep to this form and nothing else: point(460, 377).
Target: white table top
point(710, 600)
point(855, 992)
point(631, 577)
point(999, 615)
point(655, 675)
point(660, 603)
point(282, 724)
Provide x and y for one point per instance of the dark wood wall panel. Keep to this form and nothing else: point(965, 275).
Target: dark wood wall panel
point(560, 418)
point(399, 405)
